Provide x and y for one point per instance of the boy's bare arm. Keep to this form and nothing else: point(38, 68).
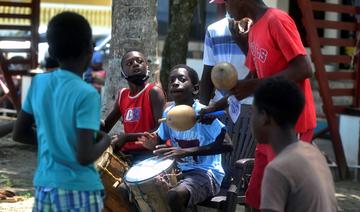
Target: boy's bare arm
point(150, 140)
point(112, 118)
point(23, 130)
point(157, 99)
point(88, 149)
point(217, 147)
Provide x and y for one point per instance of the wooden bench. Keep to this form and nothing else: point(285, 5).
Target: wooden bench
point(21, 21)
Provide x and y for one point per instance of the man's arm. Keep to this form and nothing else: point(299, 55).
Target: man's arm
point(206, 85)
point(298, 70)
point(23, 129)
point(222, 104)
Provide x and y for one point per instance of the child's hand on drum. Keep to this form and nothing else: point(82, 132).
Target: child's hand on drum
point(148, 140)
point(170, 152)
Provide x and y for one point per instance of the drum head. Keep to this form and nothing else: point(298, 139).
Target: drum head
point(147, 169)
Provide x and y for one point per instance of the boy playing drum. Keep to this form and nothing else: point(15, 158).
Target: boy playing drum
point(140, 106)
point(196, 150)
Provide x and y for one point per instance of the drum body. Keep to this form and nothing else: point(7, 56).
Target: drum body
point(112, 170)
point(149, 182)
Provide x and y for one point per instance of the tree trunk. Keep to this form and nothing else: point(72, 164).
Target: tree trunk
point(176, 43)
point(134, 27)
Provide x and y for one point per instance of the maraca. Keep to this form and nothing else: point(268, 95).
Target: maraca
point(183, 117)
point(224, 76)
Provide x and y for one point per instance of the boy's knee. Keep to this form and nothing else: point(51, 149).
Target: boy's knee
point(171, 196)
point(178, 197)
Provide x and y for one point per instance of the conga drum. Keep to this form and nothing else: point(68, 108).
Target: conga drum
point(112, 170)
point(149, 182)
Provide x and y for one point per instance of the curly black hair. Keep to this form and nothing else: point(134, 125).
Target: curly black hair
point(281, 99)
point(192, 73)
point(69, 36)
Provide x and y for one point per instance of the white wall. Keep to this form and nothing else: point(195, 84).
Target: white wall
point(271, 3)
point(281, 4)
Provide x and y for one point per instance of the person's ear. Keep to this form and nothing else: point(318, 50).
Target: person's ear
point(196, 89)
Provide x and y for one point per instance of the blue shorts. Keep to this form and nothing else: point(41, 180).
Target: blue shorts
point(55, 199)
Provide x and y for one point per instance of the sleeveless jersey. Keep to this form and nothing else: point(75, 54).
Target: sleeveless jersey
point(136, 114)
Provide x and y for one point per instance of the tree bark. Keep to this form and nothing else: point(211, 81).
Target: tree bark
point(176, 43)
point(134, 27)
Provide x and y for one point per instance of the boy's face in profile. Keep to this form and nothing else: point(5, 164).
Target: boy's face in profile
point(180, 85)
point(134, 63)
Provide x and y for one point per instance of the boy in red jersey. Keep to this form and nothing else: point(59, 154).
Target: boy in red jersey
point(139, 106)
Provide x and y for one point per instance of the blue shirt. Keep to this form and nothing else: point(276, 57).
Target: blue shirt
point(198, 135)
point(61, 102)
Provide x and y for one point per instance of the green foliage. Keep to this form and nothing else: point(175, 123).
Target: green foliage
point(176, 42)
point(5, 181)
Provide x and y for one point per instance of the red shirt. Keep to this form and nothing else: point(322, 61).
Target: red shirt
point(136, 114)
point(273, 42)
point(271, 52)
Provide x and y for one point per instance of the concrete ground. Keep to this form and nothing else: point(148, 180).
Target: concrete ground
point(347, 191)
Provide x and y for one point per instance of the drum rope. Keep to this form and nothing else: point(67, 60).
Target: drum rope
point(111, 175)
point(124, 164)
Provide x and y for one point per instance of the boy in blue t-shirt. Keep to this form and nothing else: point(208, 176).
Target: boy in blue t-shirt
point(196, 150)
point(66, 112)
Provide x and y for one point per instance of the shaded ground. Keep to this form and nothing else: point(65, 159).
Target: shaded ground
point(18, 161)
point(17, 165)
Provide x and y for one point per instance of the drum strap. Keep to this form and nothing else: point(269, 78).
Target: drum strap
point(118, 180)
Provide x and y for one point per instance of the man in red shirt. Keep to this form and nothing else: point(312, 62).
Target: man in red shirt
point(275, 49)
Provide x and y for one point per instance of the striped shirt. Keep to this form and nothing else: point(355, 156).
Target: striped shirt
point(220, 47)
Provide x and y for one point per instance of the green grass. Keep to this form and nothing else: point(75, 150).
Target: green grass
point(25, 194)
point(5, 181)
